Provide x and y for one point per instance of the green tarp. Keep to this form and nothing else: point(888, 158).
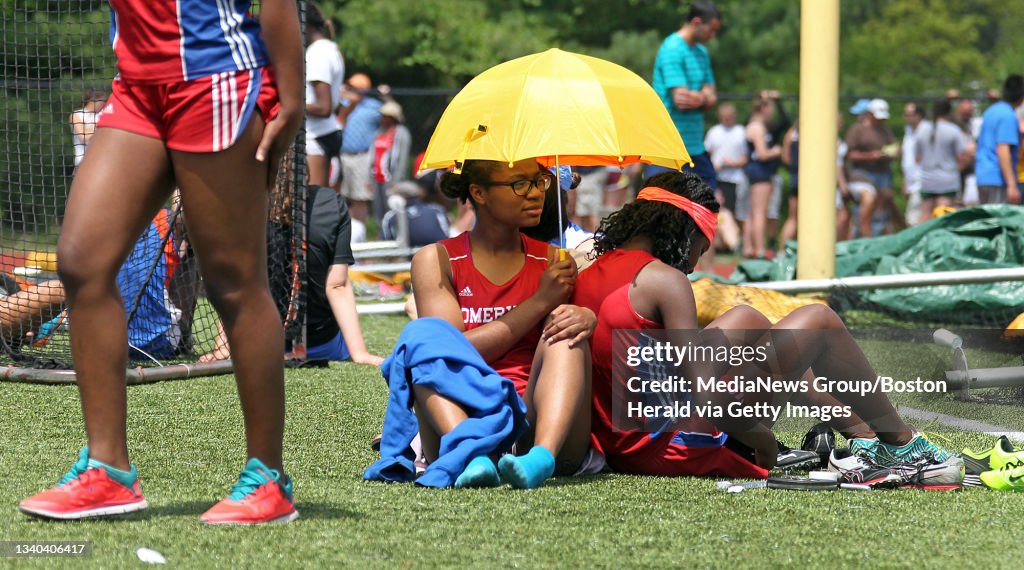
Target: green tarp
point(984, 237)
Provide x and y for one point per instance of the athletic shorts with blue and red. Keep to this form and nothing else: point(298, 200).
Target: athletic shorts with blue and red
point(190, 72)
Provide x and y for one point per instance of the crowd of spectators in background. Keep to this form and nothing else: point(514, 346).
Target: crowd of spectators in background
point(950, 153)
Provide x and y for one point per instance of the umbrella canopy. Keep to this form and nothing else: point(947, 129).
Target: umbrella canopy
point(561, 108)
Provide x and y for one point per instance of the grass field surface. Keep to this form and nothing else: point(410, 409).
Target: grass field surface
point(186, 437)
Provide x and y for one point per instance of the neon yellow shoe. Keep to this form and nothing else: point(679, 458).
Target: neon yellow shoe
point(996, 457)
point(1009, 478)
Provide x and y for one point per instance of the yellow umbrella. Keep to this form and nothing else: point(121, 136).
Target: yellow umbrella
point(561, 108)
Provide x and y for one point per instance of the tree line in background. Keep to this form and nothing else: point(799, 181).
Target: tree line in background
point(905, 47)
point(51, 49)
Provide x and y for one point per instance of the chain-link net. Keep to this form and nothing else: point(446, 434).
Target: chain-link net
point(57, 67)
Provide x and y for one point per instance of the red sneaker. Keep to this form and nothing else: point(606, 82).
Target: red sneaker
point(261, 495)
point(85, 493)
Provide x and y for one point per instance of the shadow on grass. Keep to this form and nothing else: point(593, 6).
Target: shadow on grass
point(188, 508)
point(326, 511)
point(568, 481)
point(307, 510)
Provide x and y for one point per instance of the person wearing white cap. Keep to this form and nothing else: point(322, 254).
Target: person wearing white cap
point(390, 154)
point(872, 146)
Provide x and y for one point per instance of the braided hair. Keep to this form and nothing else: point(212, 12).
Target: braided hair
point(672, 231)
point(456, 186)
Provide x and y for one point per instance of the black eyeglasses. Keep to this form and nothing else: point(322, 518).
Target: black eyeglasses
point(522, 187)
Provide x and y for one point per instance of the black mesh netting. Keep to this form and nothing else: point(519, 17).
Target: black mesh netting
point(57, 67)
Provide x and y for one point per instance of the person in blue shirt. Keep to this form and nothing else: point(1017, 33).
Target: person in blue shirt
point(995, 164)
point(360, 114)
point(684, 81)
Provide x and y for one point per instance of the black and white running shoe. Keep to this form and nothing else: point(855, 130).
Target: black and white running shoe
point(857, 469)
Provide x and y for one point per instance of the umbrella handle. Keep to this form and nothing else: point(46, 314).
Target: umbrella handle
point(558, 200)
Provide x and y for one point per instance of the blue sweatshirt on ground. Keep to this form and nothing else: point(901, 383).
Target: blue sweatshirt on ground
point(432, 353)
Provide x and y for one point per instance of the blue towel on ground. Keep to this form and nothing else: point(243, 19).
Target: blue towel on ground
point(434, 354)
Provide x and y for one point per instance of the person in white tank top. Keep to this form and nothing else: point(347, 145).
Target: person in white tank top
point(325, 72)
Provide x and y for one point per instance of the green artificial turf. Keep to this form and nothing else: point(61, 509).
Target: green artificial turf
point(186, 437)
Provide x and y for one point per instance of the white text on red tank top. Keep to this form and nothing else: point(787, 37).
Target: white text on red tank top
point(482, 315)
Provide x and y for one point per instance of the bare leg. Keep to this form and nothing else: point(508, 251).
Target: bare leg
point(928, 203)
point(760, 195)
point(319, 170)
point(437, 416)
point(359, 209)
point(558, 402)
point(842, 224)
point(28, 308)
point(896, 220)
point(789, 228)
point(746, 230)
point(834, 354)
point(118, 189)
point(743, 324)
point(866, 212)
point(225, 199)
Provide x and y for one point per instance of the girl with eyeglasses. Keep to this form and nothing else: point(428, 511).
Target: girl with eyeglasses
point(509, 295)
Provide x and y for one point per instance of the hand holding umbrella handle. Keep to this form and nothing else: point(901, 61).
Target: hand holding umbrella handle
point(556, 283)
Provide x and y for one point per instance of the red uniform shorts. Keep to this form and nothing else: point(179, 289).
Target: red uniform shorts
point(670, 457)
point(203, 115)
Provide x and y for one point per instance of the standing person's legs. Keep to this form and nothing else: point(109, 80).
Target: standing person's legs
point(120, 185)
point(886, 200)
point(865, 212)
point(843, 227)
point(225, 197)
point(379, 203)
point(703, 167)
point(728, 228)
point(914, 208)
point(318, 163)
point(946, 199)
point(928, 203)
point(991, 194)
point(760, 195)
point(896, 221)
point(743, 217)
point(355, 184)
point(319, 152)
point(789, 228)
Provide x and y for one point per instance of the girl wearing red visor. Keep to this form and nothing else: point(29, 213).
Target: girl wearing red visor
point(638, 283)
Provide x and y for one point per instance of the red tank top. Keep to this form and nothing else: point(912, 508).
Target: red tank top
point(482, 301)
point(169, 41)
point(604, 288)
